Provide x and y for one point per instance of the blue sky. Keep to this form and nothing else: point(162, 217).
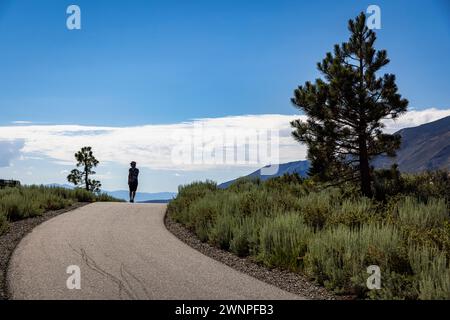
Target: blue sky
point(164, 61)
point(138, 63)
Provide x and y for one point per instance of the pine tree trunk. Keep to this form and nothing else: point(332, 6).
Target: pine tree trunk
point(86, 177)
point(364, 169)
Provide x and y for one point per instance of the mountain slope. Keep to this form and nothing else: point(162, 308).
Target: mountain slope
point(301, 167)
point(426, 147)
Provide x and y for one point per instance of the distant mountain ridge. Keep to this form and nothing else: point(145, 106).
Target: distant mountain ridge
point(301, 167)
point(144, 197)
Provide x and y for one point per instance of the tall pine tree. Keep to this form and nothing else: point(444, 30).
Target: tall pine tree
point(345, 110)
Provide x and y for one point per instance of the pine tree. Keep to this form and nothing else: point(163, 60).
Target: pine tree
point(345, 110)
point(85, 159)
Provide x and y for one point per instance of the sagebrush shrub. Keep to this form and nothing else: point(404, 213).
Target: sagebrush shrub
point(394, 286)
point(426, 185)
point(283, 240)
point(244, 184)
point(221, 232)
point(316, 208)
point(178, 208)
point(21, 206)
point(432, 273)
point(434, 213)
point(354, 212)
point(201, 215)
point(3, 222)
point(245, 235)
point(30, 201)
point(260, 200)
point(337, 255)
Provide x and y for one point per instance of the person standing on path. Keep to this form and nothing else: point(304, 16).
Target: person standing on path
point(133, 180)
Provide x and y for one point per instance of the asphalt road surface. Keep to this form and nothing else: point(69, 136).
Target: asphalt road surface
point(123, 251)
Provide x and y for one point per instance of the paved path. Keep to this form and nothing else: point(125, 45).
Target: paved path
point(124, 251)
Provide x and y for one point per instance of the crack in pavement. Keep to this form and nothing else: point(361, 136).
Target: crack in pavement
point(123, 270)
point(123, 284)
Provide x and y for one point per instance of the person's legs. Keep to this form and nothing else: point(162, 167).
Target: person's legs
point(133, 188)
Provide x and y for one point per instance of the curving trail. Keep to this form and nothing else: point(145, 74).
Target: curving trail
point(124, 251)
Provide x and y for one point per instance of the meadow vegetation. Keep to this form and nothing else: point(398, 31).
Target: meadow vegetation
point(31, 201)
point(332, 234)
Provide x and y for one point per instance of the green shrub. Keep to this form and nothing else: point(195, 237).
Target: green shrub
point(291, 184)
point(3, 222)
point(283, 241)
point(251, 201)
point(201, 215)
point(434, 184)
point(432, 272)
point(197, 190)
point(256, 201)
point(316, 207)
point(244, 184)
point(441, 238)
point(387, 183)
point(187, 195)
point(245, 235)
point(354, 213)
point(394, 286)
point(19, 206)
point(423, 215)
point(83, 195)
point(221, 233)
point(30, 201)
point(339, 255)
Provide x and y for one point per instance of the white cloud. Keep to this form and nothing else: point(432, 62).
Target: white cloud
point(21, 122)
point(415, 118)
point(151, 145)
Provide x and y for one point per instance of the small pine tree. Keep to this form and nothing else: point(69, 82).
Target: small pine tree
point(345, 110)
point(85, 159)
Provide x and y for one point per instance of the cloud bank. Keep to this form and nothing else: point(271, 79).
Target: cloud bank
point(152, 145)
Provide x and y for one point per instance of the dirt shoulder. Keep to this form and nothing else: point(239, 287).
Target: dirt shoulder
point(16, 231)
